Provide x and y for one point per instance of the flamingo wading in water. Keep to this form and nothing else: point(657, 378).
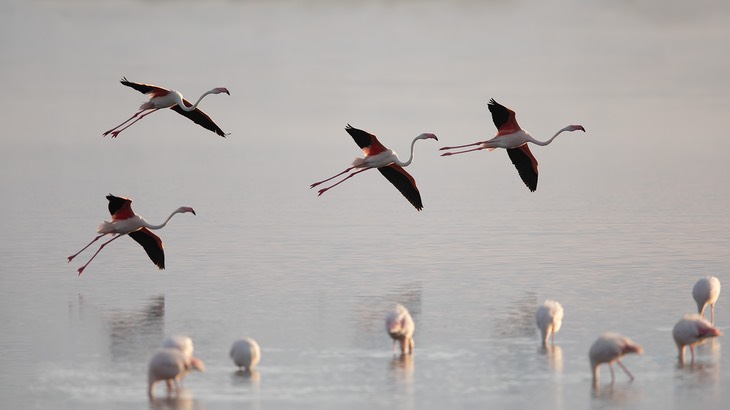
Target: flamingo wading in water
point(400, 327)
point(549, 318)
point(160, 97)
point(706, 292)
point(609, 348)
point(126, 222)
point(385, 160)
point(514, 139)
point(245, 353)
point(692, 330)
point(171, 365)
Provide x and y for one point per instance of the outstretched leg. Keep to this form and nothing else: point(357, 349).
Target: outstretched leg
point(331, 178)
point(610, 367)
point(81, 269)
point(323, 190)
point(463, 146)
point(115, 133)
point(463, 152)
point(129, 119)
point(70, 258)
point(631, 376)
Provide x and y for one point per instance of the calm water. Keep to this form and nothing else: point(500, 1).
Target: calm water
point(626, 217)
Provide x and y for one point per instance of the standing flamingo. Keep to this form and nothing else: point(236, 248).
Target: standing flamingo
point(705, 292)
point(245, 353)
point(183, 343)
point(609, 348)
point(692, 330)
point(126, 222)
point(385, 160)
point(549, 318)
point(171, 365)
point(160, 97)
point(400, 327)
point(513, 138)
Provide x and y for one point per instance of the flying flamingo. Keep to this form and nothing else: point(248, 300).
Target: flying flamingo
point(705, 292)
point(171, 365)
point(385, 160)
point(160, 97)
point(245, 353)
point(513, 138)
point(399, 325)
point(609, 348)
point(549, 318)
point(691, 331)
point(126, 222)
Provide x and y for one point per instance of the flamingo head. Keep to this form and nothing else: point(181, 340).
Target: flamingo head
point(575, 127)
point(184, 209)
point(196, 364)
point(220, 90)
point(426, 136)
point(632, 348)
point(709, 331)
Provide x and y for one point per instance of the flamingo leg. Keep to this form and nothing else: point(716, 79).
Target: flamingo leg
point(323, 190)
point(115, 133)
point(692, 351)
point(463, 146)
point(631, 376)
point(712, 314)
point(70, 258)
point(128, 119)
point(328, 179)
point(463, 152)
point(81, 269)
point(610, 367)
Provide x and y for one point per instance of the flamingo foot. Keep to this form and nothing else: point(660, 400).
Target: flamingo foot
point(70, 258)
point(447, 154)
point(314, 185)
point(115, 133)
point(322, 191)
point(81, 270)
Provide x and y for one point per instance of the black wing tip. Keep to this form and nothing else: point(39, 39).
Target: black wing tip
point(349, 127)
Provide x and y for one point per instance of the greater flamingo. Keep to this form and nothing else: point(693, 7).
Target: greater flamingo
point(160, 97)
point(513, 138)
point(705, 292)
point(183, 343)
point(692, 330)
point(385, 160)
point(399, 325)
point(549, 318)
point(126, 222)
point(171, 365)
point(245, 353)
point(609, 348)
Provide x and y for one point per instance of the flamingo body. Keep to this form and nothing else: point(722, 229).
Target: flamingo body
point(160, 97)
point(514, 139)
point(385, 160)
point(690, 331)
point(126, 222)
point(245, 353)
point(610, 348)
point(705, 292)
point(400, 327)
point(182, 343)
point(549, 318)
point(170, 365)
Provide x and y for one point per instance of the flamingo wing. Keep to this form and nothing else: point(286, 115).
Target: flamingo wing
point(365, 140)
point(526, 165)
point(199, 117)
point(404, 182)
point(504, 118)
point(120, 207)
point(145, 88)
point(152, 244)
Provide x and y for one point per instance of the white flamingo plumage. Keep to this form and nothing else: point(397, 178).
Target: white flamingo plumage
point(170, 365)
point(609, 348)
point(245, 353)
point(549, 318)
point(692, 330)
point(400, 326)
point(705, 292)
